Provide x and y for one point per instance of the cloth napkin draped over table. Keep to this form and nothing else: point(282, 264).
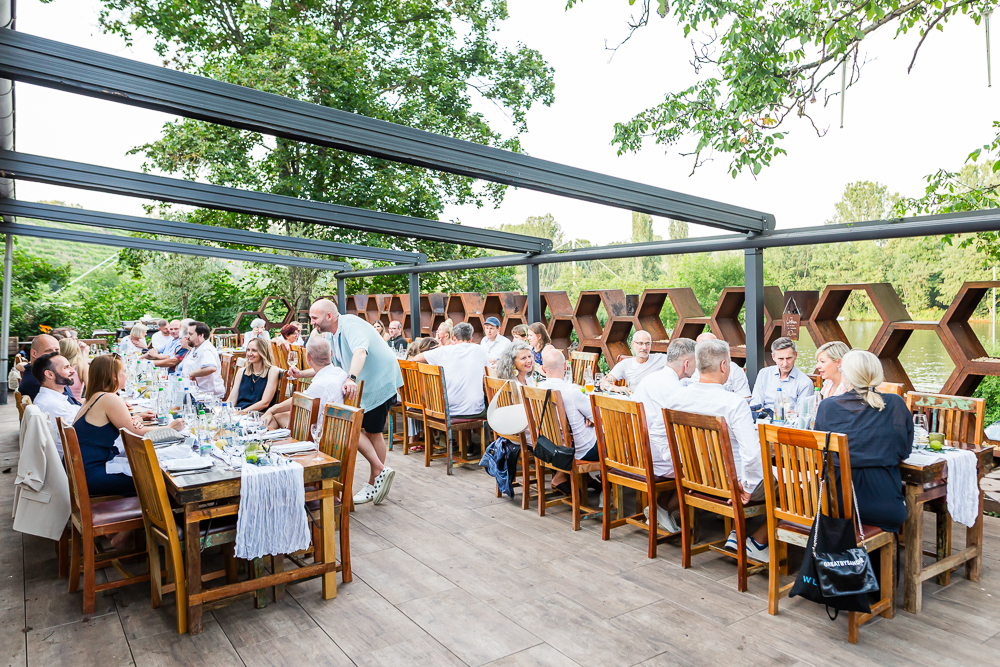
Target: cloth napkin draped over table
point(272, 516)
point(963, 481)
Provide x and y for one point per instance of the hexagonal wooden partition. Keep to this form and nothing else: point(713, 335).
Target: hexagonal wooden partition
point(557, 303)
point(611, 339)
point(823, 325)
point(357, 305)
point(276, 324)
point(515, 311)
point(377, 308)
point(467, 307)
point(432, 308)
point(691, 320)
point(399, 311)
point(726, 320)
point(972, 362)
point(889, 346)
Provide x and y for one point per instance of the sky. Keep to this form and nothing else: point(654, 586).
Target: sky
point(898, 127)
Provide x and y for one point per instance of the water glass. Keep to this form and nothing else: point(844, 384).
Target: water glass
point(316, 429)
point(293, 359)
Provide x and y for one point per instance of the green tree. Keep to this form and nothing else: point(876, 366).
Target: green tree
point(677, 229)
point(422, 63)
point(863, 201)
point(646, 268)
point(34, 280)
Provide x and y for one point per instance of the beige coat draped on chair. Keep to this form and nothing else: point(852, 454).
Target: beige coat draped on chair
point(41, 489)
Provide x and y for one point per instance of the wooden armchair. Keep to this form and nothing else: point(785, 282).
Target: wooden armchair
point(305, 414)
point(92, 520)
point(791, 510)
point(412, 404)
point(526, 470)
point(707, 479)
point(161, 529)
point(556, 428)
point(437, 417)
point(579, 362)
point(627, 460)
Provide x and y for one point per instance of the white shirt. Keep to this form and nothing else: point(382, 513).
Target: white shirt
point(494, 348)
point(55, 404)
point(634, 372)
point(328, 386)
point(159, 341)
point(736, 384)
point(203, 356)
point(711, 399)
point(578, 408)
point(654, 394)
point(128, 347)
point(464, 367)
point(796, 386)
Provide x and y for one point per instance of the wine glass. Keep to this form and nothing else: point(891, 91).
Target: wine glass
point(921, 433)
point(293, 358)
point(598, 379)
point(316, 429)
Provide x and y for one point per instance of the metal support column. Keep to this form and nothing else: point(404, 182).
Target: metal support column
point(341, 296)
point(534, 297)
point(414, 306)
point(753, 279)
point(8, 260)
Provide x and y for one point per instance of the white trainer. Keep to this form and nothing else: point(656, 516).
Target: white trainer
point(664, 518)
point(731, 542)
point(758, 553)
point(365, 495)
point(382, 484)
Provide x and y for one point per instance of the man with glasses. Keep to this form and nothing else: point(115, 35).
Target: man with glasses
point(637, 368)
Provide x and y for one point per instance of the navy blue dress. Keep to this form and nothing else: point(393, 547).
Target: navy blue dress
point(877, 441)
point(252, 390)
point(97, 447)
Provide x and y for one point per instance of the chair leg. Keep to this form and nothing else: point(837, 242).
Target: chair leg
point(155, 570)
point(428, 444)
point(317, 539)
point(687, 532)
point(345, 547)
point(606, 510)
point(773, 573)
point(447, 447)
point(176, 569)
point(525, 480)
point(406, 433)
point(62, 548)
point(574, 483)
point(853, 627)
point(89, 594)
point(887, 578)
point(232, 567)
point(540, 477)
point(741, 554)
point(654, 522)
point(75, 551)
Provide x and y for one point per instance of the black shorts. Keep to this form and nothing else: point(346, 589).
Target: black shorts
point(593, 455)
point(374, 419)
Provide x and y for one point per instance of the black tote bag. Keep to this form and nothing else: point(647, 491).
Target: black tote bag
point(549, 452)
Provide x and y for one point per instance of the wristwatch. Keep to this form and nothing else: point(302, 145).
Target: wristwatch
point(352, 378)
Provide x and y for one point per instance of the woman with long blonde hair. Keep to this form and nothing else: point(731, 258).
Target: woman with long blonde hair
point(256, 384)
point(446, 332)
point(69, 348)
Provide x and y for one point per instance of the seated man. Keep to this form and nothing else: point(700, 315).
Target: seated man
point(327, 385)
point(707, 397)
point(737, 382)
point(794, 384)
point(177, 350)
point(654, 394)
point(464, 365)
point(494, 342)
point(170, 346)
point(160, 337)
point(636, 368)
point(54, 372)
point(396, 340)
point(40, 345)
point(202, 363)
point(579, 414)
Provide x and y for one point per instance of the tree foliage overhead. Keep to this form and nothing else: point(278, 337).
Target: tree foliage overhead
point(761, 63)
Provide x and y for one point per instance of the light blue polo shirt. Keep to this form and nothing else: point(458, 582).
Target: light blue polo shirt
point(380, 373)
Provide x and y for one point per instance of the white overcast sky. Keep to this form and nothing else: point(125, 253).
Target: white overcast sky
point(898, 127)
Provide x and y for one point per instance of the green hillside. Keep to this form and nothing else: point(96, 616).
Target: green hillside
point(81, 256)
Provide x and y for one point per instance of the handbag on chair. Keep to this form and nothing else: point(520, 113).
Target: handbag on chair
point(549, 452)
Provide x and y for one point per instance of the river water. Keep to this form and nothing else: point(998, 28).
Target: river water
point(924, 357)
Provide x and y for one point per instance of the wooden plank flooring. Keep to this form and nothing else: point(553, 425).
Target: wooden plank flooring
point(447, 574)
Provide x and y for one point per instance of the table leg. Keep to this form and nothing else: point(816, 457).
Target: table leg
point(192, 546)
point(944, 525)
point(974, 538)
point(328, 520)
point(914, 529)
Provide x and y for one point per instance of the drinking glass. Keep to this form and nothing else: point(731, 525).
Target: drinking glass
point(316, 429)
point(598, 379)
point(293, 358)
point(921, 433)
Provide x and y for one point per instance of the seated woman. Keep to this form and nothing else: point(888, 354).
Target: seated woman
point(135, 342)
point(416, 429)
point(258, 329)
point(290, 334)
point(517, 363)
point(380, 328)
point(828, 359)
point(445, 334)
point(98, 422)
point(538, 339)
point(256, 384)
point(879, 431)
point(520, 332)
point(69, 348)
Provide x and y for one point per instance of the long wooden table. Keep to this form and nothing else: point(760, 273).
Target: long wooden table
point(925, 484)
point(216, 493)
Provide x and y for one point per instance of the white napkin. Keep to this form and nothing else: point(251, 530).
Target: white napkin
point(190, 463)
point(963, 486)
point(294, 447)
point(276, 434)
point(180, 451)
point(922, 458)
point(272, 516)
point(118, 466)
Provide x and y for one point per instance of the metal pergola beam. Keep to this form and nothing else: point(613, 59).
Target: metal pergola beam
point(82, 71)
point(180, 191)
point(930, 225)
point(76, 216)
point(168, 246)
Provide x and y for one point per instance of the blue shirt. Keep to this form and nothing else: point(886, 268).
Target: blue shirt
point(380, 373)
point(796, 386)
point(172, 346)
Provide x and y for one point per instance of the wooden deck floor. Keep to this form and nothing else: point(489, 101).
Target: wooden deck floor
point(446, 574)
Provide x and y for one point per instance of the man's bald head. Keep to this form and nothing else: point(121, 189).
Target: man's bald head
point(642, 342)
point(323, 316)
point(708, 335)
point(553, 363)
point(43, 344)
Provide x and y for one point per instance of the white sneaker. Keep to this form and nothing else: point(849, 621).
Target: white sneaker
point(731, 542)
point(365, 495)
point(382, 484)
point(761, 554)
point(664, 518)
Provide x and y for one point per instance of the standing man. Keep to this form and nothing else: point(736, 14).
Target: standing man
point(396, 340)
point(43, 344)
point(203, 364)
point(161, 337)
point(794, 384)
point(737, 382)
point(360, 350)
point(53, 373)
point(494, 342)
point(635, 370)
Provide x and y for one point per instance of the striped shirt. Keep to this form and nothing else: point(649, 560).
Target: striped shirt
point(380, 373)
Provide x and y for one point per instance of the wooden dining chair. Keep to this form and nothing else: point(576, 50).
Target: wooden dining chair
point(437, 417)
point(797, 457)
point(627, 460)
point(556, 428)
point(90, 520)
point(579, 362)
point(706, 476)
point(228, 374)
point(525, 474)
point(305, 414)
point(958, 417)
point(341, 431)
point(817, 380)
point(20, 406)
point(280, 355)
point(412, 403)
point(161, 529)
point(101, 343)
point(890, 388)
point(356, 401)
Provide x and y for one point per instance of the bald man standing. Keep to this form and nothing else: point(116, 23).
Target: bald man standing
point(737, 382)
point(360, 350)
point(40, 345)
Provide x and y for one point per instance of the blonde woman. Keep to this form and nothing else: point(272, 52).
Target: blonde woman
point(69, 349)
point(135, 342)
point(446, 332)
point(879, 430)
point(520, 332)
point(828, 358)
point(256, 384)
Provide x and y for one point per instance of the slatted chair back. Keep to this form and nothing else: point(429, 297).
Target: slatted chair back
point(579, 362)
point(228, 372)
point(411, 386)
point(79, 495)
point(434, 391)
point(817, 380)
point(555, 427)
point(702, 454)
point(891, 388)
point(101, 343)
point(622, 435)
point(149, 485)
point(797, 471)
point(356, 401)
point(341, 430)
point(225, 340)
point(958, 417)
point(20, 406)
point(280, 355)
point(305, 413)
